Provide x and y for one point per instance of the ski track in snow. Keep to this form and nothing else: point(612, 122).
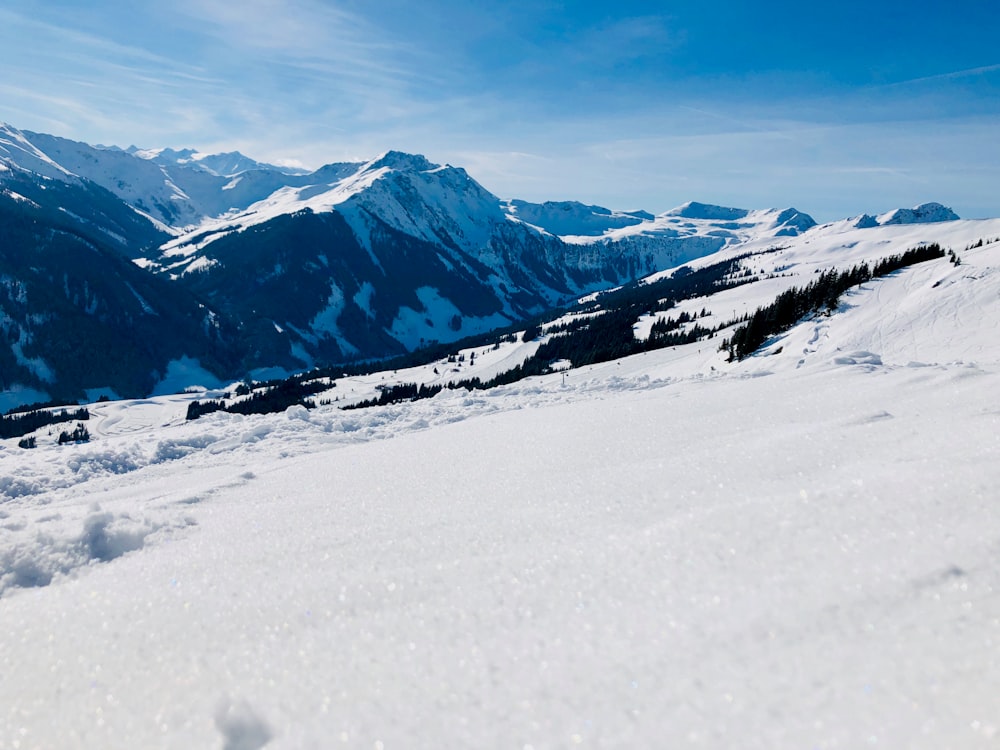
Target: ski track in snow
point(799, 550)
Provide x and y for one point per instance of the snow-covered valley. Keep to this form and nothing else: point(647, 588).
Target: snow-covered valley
point(667, 550)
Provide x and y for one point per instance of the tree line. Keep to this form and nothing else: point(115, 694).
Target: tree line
point(792, 305)
point(265, 398)
point(18, 424)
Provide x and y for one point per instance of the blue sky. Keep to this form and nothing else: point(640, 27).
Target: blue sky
point(836, 109)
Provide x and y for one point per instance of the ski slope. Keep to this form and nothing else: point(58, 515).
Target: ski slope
point(669, 550)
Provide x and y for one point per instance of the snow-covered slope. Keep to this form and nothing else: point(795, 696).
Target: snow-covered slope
point(16, 151)
point(572, 218)
point(795, 550)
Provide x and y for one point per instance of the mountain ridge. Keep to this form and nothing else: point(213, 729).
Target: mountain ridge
point(354, 260)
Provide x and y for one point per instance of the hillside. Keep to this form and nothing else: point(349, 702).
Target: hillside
point(76, 315)
point(795, 549)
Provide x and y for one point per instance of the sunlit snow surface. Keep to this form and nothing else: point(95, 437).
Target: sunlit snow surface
point(798, 551)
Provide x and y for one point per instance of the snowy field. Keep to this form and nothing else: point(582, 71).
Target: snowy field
point(798, 551)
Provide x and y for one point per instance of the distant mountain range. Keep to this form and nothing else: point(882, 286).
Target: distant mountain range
point(119, 266)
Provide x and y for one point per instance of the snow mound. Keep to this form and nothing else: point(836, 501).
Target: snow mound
point(925, 213)
point(863, 358)
point(46, 556)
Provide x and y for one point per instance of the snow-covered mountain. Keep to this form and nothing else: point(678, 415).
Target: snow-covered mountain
point(472, 261)
point(351, 261)
point(75, 313)
point(228, 164)
point(177, 189)
point(360, 260)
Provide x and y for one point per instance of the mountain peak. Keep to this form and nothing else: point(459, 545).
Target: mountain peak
point(225, 164)
point(865, 221)
point(791, 222)
point(161, 154)
point(925, 213)
point(695, 210)
point(402, 161)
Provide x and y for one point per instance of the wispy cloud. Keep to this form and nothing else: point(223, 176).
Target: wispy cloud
point(275, 67)
point(943, 77)
point(78, 44)
point(315, 36)
point(92, 82)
